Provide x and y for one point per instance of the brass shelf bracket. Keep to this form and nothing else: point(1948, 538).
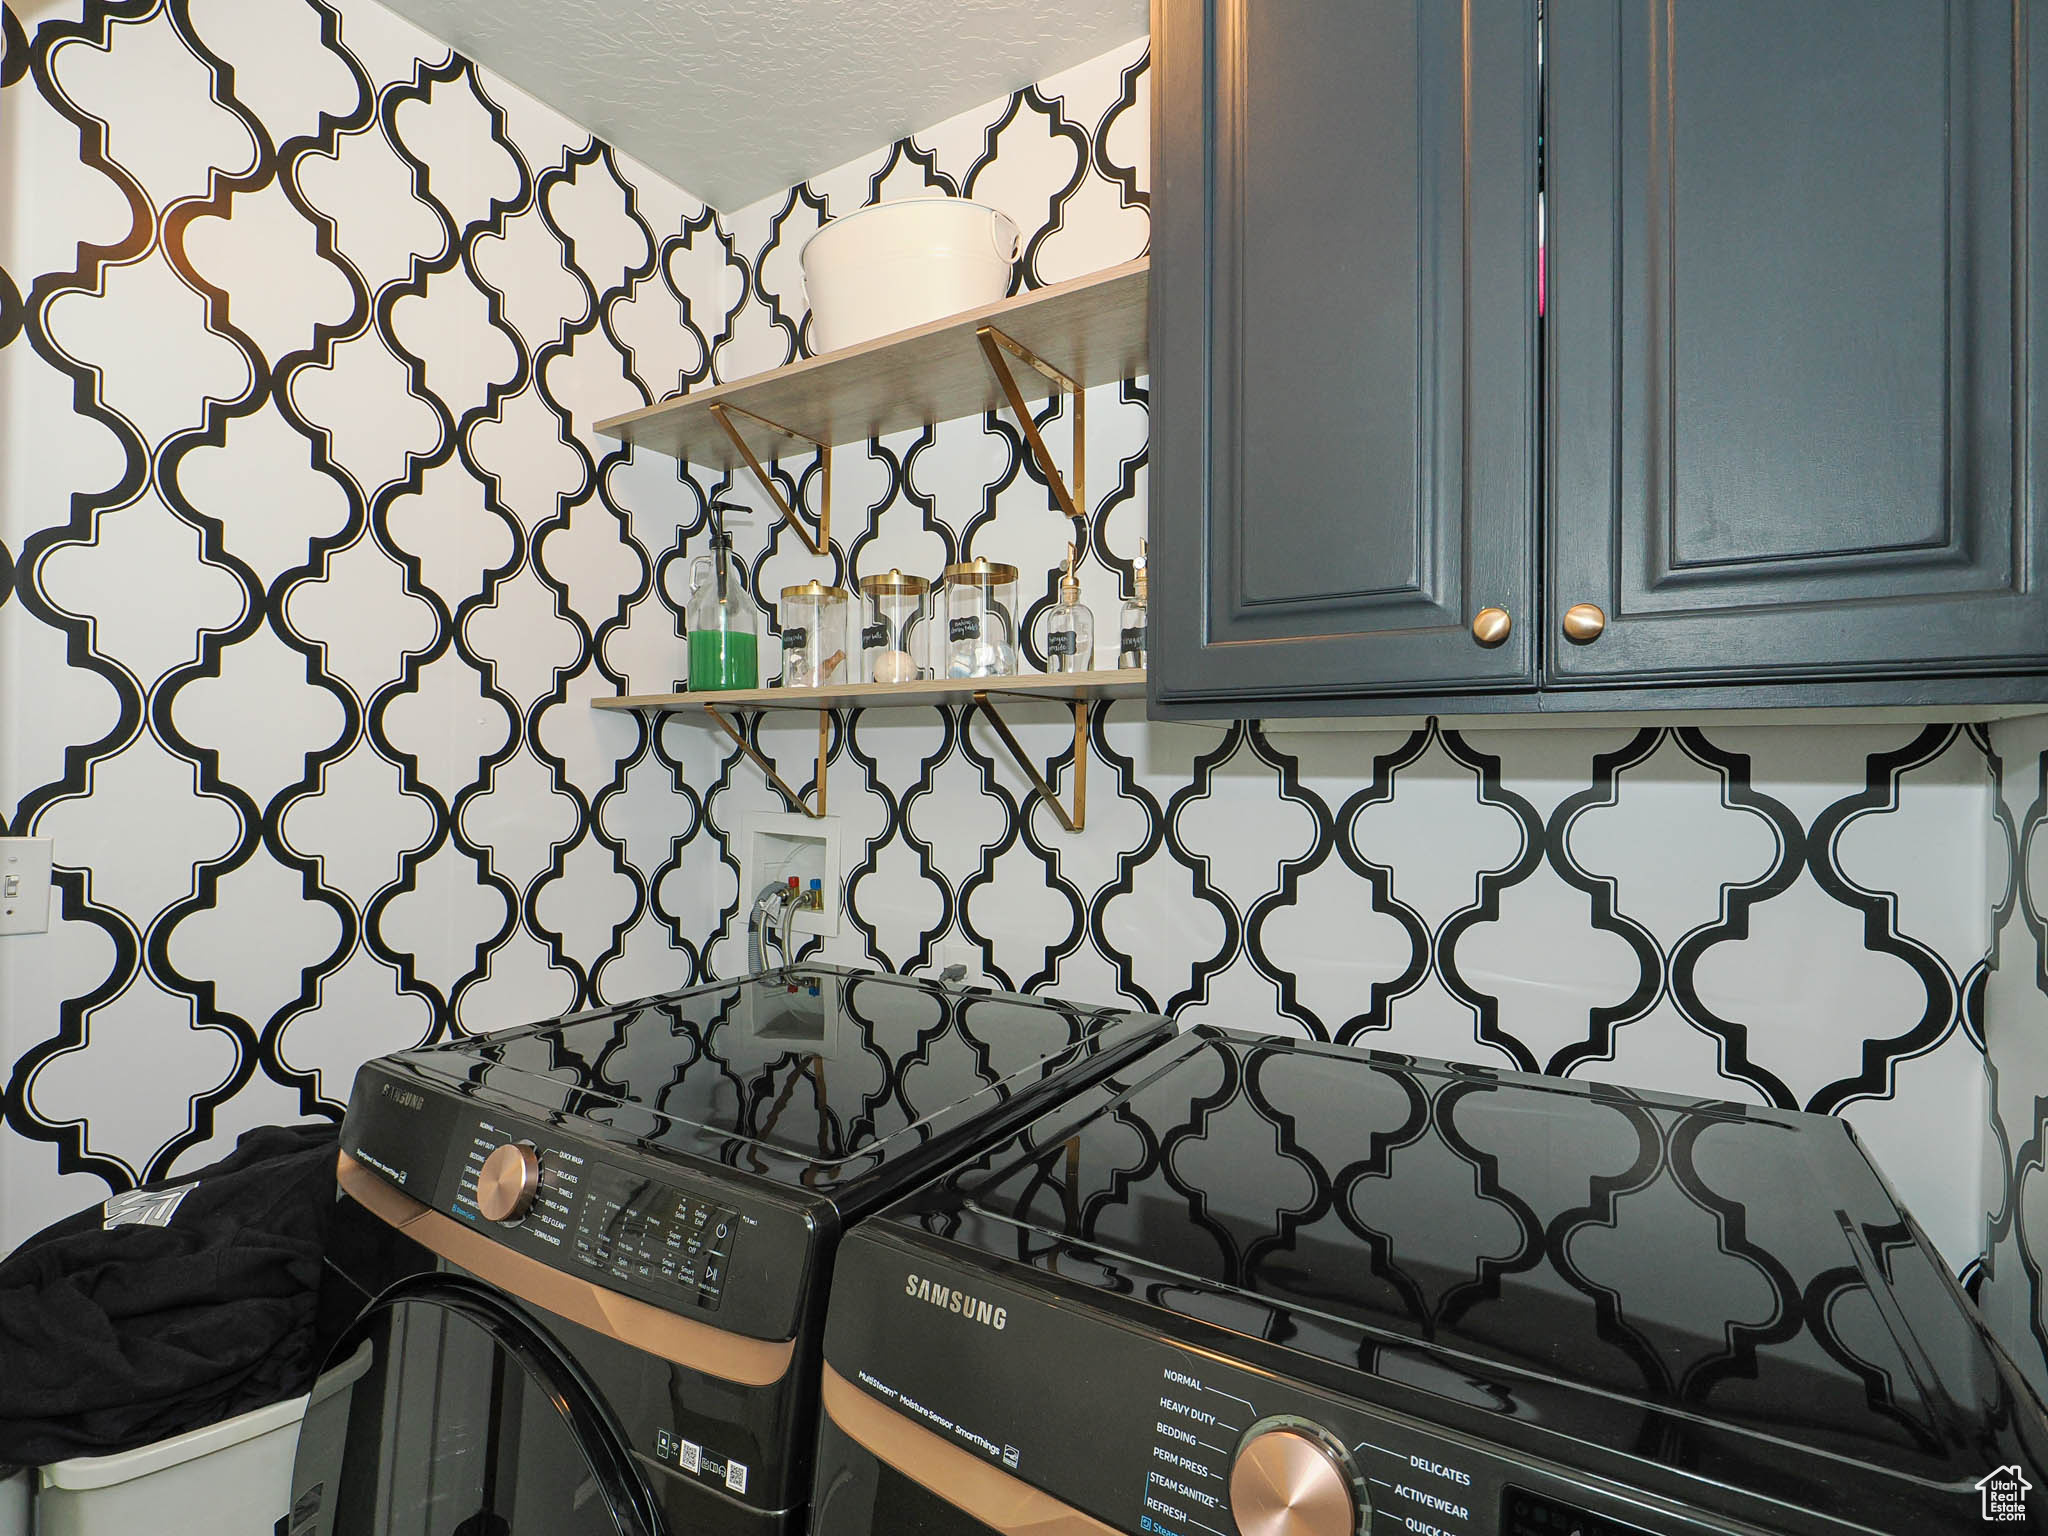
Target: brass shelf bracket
point(753, 754)
point(1079, 818)
point(993, 345)
point(723, 414)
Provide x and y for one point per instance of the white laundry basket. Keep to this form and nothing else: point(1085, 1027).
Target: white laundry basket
point(902, 263)
point(233, 1478)
point(14, 1497)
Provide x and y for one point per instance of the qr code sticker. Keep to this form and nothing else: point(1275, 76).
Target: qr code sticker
point(691, 1456)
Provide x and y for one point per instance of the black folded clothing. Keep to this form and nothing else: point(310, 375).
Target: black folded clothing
point(169, 1307)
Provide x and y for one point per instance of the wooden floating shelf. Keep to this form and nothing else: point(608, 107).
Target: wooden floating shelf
point(1075, 690)
point(1059, 688)
point(1070, 336)
point(1093, 328)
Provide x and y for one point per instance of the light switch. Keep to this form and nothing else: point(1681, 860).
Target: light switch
point(24, 884)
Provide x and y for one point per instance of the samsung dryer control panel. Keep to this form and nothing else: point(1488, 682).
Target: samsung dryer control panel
point(608, 1213)
point(1173, 1441)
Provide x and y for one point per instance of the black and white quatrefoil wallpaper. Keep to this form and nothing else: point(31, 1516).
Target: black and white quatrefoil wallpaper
point(315, 564)
point(311, 564)
point(2013, 1289)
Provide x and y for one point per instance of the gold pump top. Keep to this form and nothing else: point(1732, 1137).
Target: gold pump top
point(1070, 581)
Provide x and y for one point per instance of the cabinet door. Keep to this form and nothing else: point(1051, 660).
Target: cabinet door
point(1343, 363)
point(1788, 338)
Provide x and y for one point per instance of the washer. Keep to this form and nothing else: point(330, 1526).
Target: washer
point(626, 1223)
point(1264, 1287)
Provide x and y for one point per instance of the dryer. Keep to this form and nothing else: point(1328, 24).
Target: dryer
point(1255, 1287)
point(626, 1223)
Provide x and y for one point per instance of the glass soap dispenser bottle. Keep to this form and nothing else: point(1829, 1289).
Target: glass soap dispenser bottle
point(722, 624)
point(1070, 627)
point(1134, 644)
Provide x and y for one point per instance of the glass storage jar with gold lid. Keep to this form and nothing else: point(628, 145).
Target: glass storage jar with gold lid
point(814, 635)
point(978, 614)
point(893, 628)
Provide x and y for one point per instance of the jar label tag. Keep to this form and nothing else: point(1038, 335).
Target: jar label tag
point(794, 637)
point(874, 637)
point(1062, 642)
point(1134, 638)
point(968, 628)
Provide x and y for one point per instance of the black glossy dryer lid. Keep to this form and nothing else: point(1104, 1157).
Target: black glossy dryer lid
point(814, 1076)
point(1706, 1284)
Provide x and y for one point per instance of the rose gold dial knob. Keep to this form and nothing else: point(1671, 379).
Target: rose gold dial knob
point(1288, 1482)
point(508, 1183)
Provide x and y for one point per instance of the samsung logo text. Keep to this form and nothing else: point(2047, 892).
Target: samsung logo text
point(946, 1299)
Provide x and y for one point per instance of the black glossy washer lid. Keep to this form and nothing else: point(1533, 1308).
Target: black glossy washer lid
point(814, 1075)
point(1703, 1283)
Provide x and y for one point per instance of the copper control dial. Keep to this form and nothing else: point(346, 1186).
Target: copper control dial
point(1290, 1482)
point(508, 1183)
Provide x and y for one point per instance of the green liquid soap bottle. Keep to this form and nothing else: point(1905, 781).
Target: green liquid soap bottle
point(723, 625)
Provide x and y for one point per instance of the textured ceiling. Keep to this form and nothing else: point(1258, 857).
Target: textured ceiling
point(735, 99)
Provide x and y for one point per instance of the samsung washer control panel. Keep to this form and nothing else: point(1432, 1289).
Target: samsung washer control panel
point(619, 1226)
point(694, 1245)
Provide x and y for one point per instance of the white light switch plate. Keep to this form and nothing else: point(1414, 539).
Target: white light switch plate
point(24, 884)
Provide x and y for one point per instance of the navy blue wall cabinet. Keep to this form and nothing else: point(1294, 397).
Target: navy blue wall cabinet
point(1781, 391)
point(1344, 347)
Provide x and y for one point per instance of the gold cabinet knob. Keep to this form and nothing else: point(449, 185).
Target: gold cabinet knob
point(1583, 622)
point(1490, 626)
